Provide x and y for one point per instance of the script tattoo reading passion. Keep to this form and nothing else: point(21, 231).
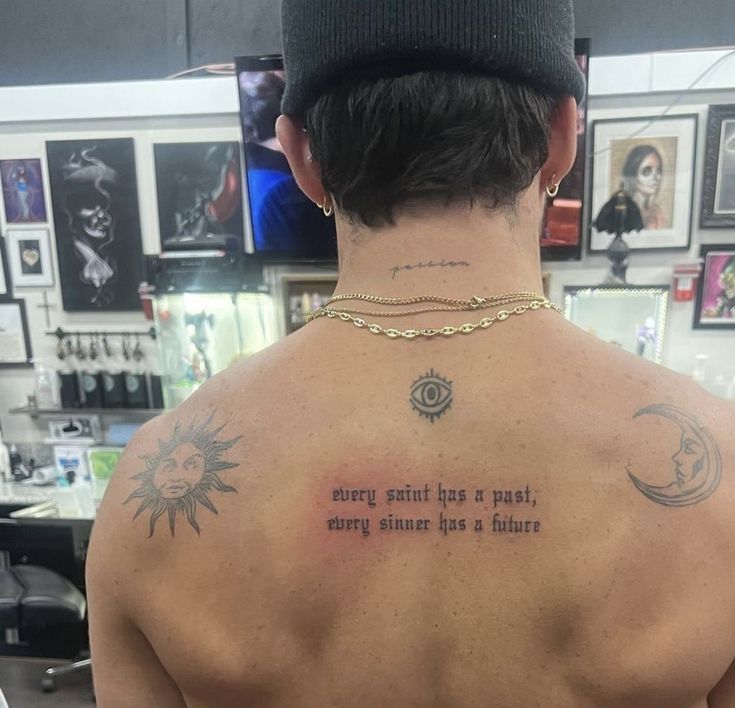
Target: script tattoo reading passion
point(434, 509)
point(182, 474)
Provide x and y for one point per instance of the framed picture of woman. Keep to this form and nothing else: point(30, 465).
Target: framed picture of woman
point(715, 306)
point(653, 159)
point(718, 194)
point(22, 183)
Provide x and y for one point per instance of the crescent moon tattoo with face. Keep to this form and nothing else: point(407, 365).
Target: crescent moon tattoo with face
point(182, 474)
point(697, 463)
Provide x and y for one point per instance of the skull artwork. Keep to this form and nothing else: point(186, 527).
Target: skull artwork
point(88, 209)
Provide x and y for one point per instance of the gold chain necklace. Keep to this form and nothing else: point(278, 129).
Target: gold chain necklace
point(472, 303)
point(537, 302)
point(449, 304)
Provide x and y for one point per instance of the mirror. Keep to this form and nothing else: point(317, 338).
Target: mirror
point(633, 318)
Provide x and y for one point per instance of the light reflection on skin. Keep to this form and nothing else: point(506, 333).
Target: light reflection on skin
point(179, 473)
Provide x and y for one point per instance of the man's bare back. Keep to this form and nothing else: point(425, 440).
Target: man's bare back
point(350, 521)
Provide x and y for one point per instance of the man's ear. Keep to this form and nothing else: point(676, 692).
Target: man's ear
point(295, 144)
point(562, 143)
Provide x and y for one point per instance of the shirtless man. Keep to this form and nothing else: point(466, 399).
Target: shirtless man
point(519, 515)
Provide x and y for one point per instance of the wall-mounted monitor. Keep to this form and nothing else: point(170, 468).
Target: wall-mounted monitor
point(286, 226)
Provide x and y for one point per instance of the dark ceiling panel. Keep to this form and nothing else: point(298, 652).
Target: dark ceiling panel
point(222, 29)
point(633, 27)
point(62, 41)
point(65, 41)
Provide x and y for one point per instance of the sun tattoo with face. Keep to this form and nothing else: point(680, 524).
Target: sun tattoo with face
point(182, 474)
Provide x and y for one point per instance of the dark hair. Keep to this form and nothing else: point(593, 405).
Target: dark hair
point(261, 105)
point(635, 159)
point(429, 137)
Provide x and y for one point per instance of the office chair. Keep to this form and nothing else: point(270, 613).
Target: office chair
point(36, 597)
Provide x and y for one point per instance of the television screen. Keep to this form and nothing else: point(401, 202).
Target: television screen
point(286, 225)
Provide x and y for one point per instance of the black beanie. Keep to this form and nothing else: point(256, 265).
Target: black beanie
point(522, 41)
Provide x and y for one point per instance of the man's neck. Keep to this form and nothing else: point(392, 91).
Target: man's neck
point(455, 253)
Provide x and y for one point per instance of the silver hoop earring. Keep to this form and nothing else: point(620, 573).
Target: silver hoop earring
point(552, 188)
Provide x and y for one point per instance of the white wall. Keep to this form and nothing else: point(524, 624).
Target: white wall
point(201, 110)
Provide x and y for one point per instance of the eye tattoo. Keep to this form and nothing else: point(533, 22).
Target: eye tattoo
point(431, 396)
point(182, 474)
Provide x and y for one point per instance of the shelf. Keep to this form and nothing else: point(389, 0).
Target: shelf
point(129, 412)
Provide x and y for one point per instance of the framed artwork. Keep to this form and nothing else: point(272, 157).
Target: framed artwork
point(561, 238)
point(22, 182)
point(718, 195)
point(29, 254)
point(15, 344)
point(653, 159)
point(4, 279)
point(715, 304)
point(94, 192)
point(199, 188)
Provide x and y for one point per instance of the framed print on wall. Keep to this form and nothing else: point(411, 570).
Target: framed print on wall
point(94, 191)
point(718, 193)
point(199, 189)
point(4, 280)
point(15, 344)
point(22, 185)
point(653, 159)
point(29, 255)
point(561, 237)
point(715, 305)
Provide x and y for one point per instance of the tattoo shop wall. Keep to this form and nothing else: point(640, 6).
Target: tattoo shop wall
point(147, 112)
point(195, 110)
point(646, 85)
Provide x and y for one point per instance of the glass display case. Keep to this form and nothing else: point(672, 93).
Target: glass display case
point(201, 334)
point(206, 324)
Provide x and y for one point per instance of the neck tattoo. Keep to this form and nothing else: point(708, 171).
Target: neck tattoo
point(430, 264)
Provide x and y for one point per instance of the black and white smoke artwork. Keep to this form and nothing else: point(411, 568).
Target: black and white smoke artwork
point(98, 237)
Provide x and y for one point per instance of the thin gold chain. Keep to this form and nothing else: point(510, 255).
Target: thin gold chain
point(472, 303)
point(468, 305)
point(485, 323)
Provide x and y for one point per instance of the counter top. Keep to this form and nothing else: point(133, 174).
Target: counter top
point(66, 503)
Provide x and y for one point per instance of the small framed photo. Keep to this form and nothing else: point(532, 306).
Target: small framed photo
point(15, 343)
point(29, 253)
point(715, 306)
point(3, 269)
point(22, 184)
point(653, 159)
point(718, 195)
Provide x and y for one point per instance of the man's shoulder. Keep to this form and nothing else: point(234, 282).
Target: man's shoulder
point(182, 455)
